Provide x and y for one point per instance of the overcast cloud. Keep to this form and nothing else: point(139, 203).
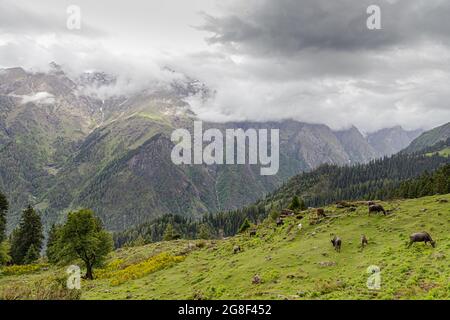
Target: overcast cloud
point(308, 60)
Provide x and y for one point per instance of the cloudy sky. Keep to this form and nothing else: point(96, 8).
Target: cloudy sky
point(309, 60)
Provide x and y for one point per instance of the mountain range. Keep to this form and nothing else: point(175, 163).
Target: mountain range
point(63, 147)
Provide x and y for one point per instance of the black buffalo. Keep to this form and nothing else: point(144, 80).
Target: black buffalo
point(421, 237)
point(377, 208)
point(279, 222)
point(337, 242)
point(364, 241)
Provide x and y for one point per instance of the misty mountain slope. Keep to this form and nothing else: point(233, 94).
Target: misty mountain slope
point(154, 186)
point(429, 138)
point(64, 147)
point(356, 146)
point(391, 140)
point(42, 123)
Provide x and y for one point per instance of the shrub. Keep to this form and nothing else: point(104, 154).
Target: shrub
point(4, 252)
point(45, 289)
point(138, 270)
point(21, 269)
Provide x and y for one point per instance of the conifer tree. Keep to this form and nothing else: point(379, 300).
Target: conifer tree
point(3, 211)
point(53, 243)
point(32, 255)
point(29, 233)
point(245, 226)
point(170, 233)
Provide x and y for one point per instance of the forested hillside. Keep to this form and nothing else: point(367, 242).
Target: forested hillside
point(399, 176)
point(429, 138)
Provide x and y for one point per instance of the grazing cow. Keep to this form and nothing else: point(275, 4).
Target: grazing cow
point(370, 203)
point(337, 242)
point(279, 222)
point(252, 233)
point(236, 249)
point(364, 241)
point(377, 208)
point(321, 213)
point(421, 237)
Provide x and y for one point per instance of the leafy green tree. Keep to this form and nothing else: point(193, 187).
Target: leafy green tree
point(4, 253)
point(204, 232)
point(29, 233)
point(244, 226)
point(274, 215)
point(3, 211)
point(140, 241)
point(83, 237)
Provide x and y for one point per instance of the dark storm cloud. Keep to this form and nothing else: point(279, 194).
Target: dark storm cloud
point(308, 60)
point(287, 27)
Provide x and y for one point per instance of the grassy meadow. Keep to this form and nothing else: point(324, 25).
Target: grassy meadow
point(283, 262)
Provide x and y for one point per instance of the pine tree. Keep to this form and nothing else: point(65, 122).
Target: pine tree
point(32, 255)
point(29, 233)
point(295, 203)
point(302, 205)
point(169, 233)
point(53, 244)
point(245, 226)
point(3, 211)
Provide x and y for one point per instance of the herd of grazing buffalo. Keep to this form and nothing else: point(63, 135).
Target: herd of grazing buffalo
point(373, 208)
